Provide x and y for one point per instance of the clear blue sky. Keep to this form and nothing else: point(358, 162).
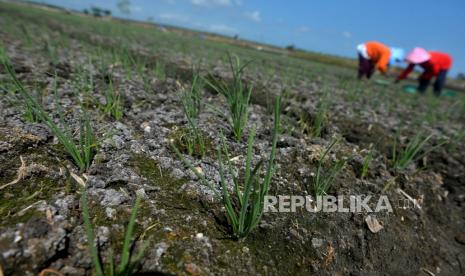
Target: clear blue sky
point(327, 26)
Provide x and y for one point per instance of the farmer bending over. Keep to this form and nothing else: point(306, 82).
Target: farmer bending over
point(375, 55)
point(435, 64)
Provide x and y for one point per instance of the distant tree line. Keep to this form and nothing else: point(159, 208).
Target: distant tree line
point(124, 6)
point(97, 12)
point(290, 47)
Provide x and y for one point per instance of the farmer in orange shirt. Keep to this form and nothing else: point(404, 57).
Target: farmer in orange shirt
point(435, 64)
point(375, 55)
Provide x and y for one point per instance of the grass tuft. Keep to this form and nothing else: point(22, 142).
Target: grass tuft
point(366, 163)
point(322, 182)
point(244, 208)
point(237, 96)
point(159, 71)
point(81, 151)
point(191, 103)
point(320, 119)
point(29, 113)
point(128, 263)
point(84, 84)
point(113, 103)
point(412, 152)
point(246, 213)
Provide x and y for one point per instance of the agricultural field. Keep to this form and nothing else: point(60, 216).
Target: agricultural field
point(128, 148)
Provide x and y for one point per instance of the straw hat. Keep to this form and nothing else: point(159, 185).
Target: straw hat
point(418, 55)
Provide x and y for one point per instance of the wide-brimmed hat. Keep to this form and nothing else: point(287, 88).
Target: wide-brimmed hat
point(418, 55)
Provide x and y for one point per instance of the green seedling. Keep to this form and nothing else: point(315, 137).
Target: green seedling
point(191, 103)
point(191, 99)
point(412, 152)
point(352, 91)
point(159, 71)
point(321, 182)
point(128, 62)
point(51, 51)
point(145, 79)
point(27, 34)
point(366, 163)
point(113, 103)
point(303, 123)
point(457, 138)
point(320, 119)
point(244, 207)
point(84, 83)
point(81, 151)
point(128, 263)
point(29, 113)
point(237, 96)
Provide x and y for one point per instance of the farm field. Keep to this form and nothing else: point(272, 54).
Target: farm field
point(106, 124)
